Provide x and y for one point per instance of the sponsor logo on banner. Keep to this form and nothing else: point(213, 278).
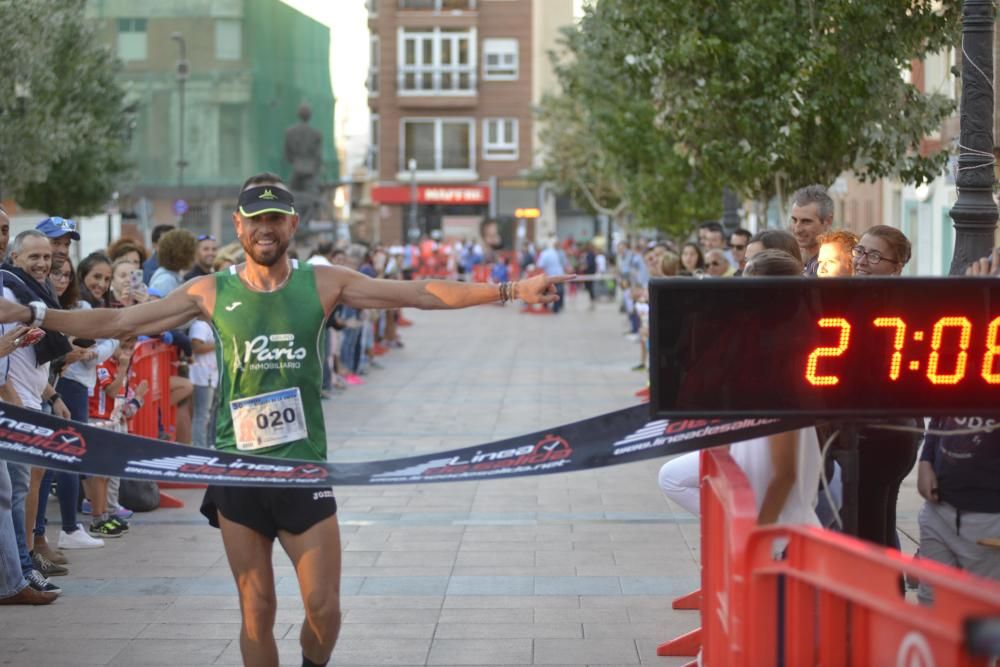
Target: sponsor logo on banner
point(550, 453)
point(664, 432)
point(64, 444)
point(213, 468)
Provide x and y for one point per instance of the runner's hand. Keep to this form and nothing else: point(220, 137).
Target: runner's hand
point(540, 289)
point(11, 340)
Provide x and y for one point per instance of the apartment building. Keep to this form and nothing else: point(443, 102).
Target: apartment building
point(451, 86)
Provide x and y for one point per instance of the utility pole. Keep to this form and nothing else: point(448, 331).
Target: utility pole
point(975, 212)
point(183, 69)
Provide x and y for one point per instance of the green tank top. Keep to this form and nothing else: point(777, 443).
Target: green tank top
point(267, 350)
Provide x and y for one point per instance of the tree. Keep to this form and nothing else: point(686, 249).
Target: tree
point(605, 127)
point(771, 95)
point(62, 145)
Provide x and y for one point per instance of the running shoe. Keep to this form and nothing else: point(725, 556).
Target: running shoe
point(105, 529)
point(353, 379)
point(54, 555)
point(47, 567)
point(121, 523)
point(86, 507)
point(40, 583)
point(78, 539)
point(123, 513)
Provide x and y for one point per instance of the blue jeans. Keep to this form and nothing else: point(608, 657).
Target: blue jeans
point(203, 420)
point(20, 479)
point(11, 577)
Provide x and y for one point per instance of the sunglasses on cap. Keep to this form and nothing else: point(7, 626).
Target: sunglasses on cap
point(205, 237)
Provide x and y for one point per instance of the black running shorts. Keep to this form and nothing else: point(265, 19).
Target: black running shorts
point(268, 510)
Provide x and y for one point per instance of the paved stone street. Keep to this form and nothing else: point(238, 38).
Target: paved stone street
point(564, 569)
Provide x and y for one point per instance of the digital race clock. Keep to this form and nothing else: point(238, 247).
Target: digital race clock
point(869, 347)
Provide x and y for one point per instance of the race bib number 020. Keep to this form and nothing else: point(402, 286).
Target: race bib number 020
point(268, 420)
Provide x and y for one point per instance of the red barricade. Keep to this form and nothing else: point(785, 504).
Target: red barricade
point(154, 362)
point(728, 516)
point(822, 598)
point(798, 595)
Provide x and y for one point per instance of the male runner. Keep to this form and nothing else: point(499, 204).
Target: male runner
point(268, 314)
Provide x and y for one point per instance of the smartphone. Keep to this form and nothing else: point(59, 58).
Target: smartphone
point(31, 337)
point(135, 281)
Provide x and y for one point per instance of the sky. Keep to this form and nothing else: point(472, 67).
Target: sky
point(349, 53)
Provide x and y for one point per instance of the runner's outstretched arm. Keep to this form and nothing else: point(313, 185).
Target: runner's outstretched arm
point(360, 291)
point(149, 319)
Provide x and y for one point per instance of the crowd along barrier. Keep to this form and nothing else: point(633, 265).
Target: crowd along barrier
point(154, 361)
point(798, 595)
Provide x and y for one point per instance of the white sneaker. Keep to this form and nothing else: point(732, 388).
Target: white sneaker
point(78, 539)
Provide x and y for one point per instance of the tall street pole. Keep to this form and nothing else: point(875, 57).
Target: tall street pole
point(975, 213)
point(183, 70)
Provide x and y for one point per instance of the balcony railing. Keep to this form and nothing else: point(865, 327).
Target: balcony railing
point(436, 80)
point(438, 5)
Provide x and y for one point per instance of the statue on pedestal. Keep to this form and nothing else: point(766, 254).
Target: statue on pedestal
point(304, 152)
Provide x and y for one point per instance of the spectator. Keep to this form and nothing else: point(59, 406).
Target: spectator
point(835, 257)
point(127, 288)
point(175, 253)
point(150, 265)
point(205, 251)
point(957, 477)
point(60, 232)
point(222, 263)
point(738, 242)
point(882, 251)
point(553, 262)
point(24, 281)
point(773, 239)
point(885, 458)
point(126, 248)
point(94, 277)
point(717, 264)
point(782, 469)
point(711, 236)
point(322, 255)
point(204, 375)
point(692, 260)
point(812, 215)
point(670, 265)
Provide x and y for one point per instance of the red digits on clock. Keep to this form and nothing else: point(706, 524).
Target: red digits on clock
point(992, 351)
point(897, 342)
point(963, 354)
point(843, 342)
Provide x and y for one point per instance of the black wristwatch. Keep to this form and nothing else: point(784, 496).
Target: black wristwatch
point(53, 398)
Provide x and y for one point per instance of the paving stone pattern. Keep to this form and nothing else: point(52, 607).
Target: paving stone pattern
point(564, 569)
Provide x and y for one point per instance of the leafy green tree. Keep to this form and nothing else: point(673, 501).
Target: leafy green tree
point(63, 138)
point(771, 95)
point(619, 156)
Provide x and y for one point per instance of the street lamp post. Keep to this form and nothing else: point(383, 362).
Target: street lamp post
point(183, 69)
point(413, 232)
point(975, 212)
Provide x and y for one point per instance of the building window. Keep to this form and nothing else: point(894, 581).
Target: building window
point(439, 144)
point(228, 39)
point(373, 144)
point(374, 60)
point(438, 61)
point(499, 59)
point(132, 39)
point(500, 139)
point(438, 5)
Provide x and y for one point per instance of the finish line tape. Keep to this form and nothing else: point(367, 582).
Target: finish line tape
point(623, 436)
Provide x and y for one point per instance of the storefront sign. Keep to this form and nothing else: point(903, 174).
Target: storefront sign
point(472, 195)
